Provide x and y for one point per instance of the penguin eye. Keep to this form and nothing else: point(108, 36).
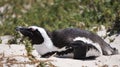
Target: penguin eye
point(31, 29)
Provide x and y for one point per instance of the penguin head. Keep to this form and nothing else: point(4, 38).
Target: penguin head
point(33, 33)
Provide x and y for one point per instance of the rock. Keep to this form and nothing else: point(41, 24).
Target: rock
point(102, 31)
point(109, 61)
point(6, 38)
point(115, 43)
point(14, 56)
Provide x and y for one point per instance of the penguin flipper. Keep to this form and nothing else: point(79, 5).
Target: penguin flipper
point(83, 50)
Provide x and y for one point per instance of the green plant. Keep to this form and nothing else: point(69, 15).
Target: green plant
point(28, 45)
point(0, 41)
point(57, 14)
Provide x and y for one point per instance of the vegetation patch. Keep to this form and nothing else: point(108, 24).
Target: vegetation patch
point(57, 14)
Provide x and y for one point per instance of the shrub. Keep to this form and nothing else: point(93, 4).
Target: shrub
point(56, 14)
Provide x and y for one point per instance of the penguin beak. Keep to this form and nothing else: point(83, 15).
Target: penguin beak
point(25, 31)
point(19, 28)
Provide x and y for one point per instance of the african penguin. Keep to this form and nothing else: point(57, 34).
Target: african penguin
point(80, 44)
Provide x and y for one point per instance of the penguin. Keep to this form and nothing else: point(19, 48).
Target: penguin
point(79, 44)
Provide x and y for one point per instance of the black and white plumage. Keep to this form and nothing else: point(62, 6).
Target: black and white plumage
point(81, 43)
